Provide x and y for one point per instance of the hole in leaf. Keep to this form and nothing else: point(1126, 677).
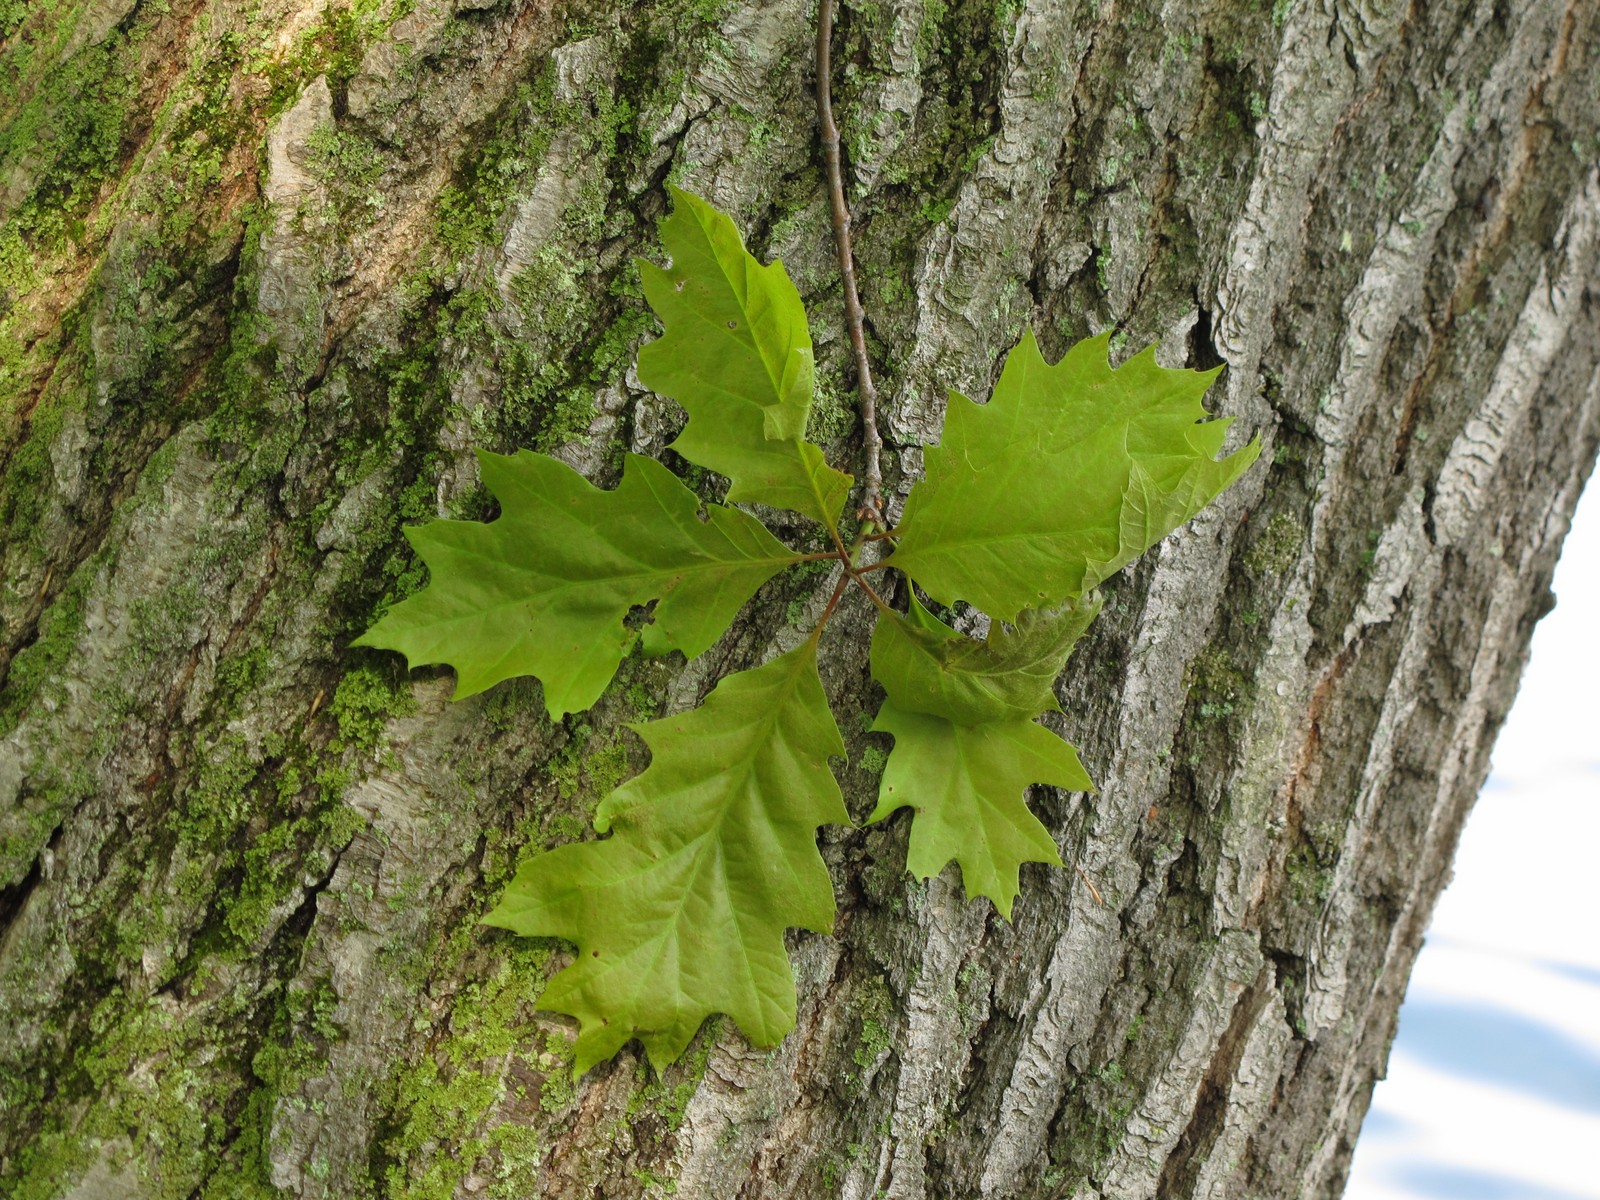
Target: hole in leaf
point(639, 616)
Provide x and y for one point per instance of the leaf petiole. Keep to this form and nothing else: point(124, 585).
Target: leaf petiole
point(833, 603)
point(851, 572)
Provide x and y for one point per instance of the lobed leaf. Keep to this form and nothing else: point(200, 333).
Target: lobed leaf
point(1069, 473)
point(543, 589)
point(961, 712)
point(966, 785)
point(736, 353)
point(927, 667)
point(681, 912)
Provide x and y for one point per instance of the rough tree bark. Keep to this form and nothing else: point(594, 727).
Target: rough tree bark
point(271, 270)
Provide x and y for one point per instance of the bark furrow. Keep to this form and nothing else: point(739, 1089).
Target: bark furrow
point(269, 274)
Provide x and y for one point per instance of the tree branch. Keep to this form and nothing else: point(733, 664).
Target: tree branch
point(872, 501)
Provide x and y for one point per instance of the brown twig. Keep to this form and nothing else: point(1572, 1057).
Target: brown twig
point(872, 501)
point(833, 601)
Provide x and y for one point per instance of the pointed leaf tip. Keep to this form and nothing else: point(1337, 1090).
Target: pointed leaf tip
point(1068, 473)
point(543, 589)
point(967, 783)
point(680, 913)
point(736, 353)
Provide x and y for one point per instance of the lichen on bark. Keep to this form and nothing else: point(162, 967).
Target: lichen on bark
point(269, 273)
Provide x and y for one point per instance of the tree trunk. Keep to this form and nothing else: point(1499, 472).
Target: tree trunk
point(269, 273)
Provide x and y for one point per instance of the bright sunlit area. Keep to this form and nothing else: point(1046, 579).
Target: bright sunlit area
point(1494, 1081)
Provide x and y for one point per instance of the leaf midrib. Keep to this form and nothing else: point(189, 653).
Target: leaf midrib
point(697, 848)
point(744, 312)
point(812, 480)
point(561, 585)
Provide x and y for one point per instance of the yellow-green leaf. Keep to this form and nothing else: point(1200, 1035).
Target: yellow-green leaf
point(966, 785)
point(543, 589)
point(737, 355)
point(925, 666)
point(1069, 473)
point(681, 912)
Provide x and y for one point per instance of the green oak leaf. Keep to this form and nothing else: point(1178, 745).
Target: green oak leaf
point(681, 912)
point(543, 589)
point(966, 784)
point(737, 355)
point(927, 667)
point(1069, 473)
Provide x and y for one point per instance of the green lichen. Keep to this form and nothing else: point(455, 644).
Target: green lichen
point(666, 1097)
point(833, 416)
point(1369, 555)
point(75, 121)
point(279, 857)
point(1215, 684)
point(513, 703)
point(253, 819)
point(221, 796)
point(1310, 882)
point(834, 1166)
point(57, 634)
point(874, 1042)
point(446, 1104)
point(29, 480)
point(334, 47)
point(149, 1073)
point(873, 1004)
point(367, 699)
point(499, 171)
point(264, 812)
point(52, 792)
point(559, 1090)
point(805, 575)
point(352, 168)
point(588, 768)
point(1278, 547)
point(66, 139)
point(1098, 1106)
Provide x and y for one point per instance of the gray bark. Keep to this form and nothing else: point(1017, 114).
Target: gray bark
point(271, 272)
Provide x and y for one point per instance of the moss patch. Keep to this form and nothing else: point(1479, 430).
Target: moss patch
point(491, 1057)
point(1278, 546)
